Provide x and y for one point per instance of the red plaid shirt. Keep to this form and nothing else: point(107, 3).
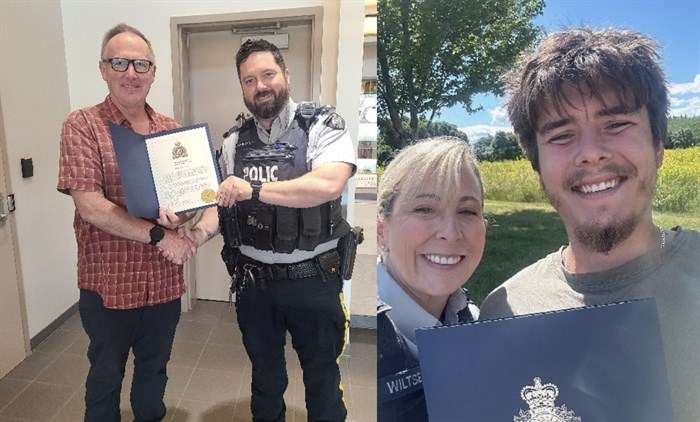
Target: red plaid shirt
point(127, 274)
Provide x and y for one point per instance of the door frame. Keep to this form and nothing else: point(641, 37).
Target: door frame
point(182, 26)
point(11, 227)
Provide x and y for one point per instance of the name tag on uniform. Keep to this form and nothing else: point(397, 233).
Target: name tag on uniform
point(399, 384)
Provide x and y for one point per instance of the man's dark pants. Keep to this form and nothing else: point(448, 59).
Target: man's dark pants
point(312, 310)
point(149, 331)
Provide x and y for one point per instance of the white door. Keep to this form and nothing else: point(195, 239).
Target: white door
point(14, 345)
point(215, 97)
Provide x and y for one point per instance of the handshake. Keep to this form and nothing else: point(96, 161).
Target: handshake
point(179, 243)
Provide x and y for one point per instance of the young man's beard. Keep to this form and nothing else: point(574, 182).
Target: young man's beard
point(603, 239)
point(272, 109)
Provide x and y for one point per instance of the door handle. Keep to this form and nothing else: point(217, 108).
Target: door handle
point(3, 214)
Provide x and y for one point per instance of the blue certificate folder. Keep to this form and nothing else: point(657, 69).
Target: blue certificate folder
point(600, 363)
point(135, 168)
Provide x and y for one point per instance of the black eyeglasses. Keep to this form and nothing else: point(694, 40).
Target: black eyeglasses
point(120, 64)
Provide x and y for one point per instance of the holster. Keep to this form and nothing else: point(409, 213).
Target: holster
point(230, 256)
point(347, 249)
point(228, 223)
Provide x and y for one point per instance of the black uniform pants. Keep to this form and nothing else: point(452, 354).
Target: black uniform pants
point(312, 310)
point(149, 332)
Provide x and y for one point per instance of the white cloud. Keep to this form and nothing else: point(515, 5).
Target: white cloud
point(477, 132)
point(499, 116)
point(686, 88)
point(499, 123)
point(685, 100)
point(689, 107)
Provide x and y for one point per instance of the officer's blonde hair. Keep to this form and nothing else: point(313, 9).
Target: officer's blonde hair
point(434, 163)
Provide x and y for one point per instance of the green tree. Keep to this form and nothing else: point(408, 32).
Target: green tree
point(677, 123)
point(434, 54)
point(682, 138)
point(385, 151)
point(500, 146)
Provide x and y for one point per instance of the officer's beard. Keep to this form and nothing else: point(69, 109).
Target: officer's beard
point(269, 110)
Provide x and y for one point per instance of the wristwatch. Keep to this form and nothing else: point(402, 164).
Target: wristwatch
point(256, 185)
point(157, 234)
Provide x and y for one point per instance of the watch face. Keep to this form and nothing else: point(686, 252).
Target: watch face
point(157, 233)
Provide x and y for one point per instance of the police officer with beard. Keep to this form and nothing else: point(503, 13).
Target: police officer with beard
point(280, 214)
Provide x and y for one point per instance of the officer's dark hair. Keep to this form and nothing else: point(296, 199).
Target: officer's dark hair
point(620, 61)
point(258, 45)
point(121, 28)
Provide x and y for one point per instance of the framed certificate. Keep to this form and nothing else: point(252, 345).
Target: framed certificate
point(174, 169)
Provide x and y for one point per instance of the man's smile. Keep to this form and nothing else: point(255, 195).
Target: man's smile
point(598, 187)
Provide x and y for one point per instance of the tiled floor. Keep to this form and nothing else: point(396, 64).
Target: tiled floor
point(209, 375)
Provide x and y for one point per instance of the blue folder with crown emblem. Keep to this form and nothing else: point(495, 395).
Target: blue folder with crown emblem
point(599, 363)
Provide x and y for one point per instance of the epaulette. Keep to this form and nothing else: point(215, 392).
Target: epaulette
point(307, 114)
point(241, 121)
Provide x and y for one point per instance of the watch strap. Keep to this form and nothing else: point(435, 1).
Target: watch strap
point(257, 186)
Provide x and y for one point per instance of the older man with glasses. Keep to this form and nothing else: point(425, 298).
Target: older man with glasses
point(129, 292)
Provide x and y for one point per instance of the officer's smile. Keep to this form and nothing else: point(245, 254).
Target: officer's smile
point(444, 259)
point(266, 95)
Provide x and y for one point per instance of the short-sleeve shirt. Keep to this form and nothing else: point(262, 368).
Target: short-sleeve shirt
point(127, 274)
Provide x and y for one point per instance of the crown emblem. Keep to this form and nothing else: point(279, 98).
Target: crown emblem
point(540, 399)
point(179, 151)
point(538, 396)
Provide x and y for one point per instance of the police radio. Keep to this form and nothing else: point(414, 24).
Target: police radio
point(306, 109)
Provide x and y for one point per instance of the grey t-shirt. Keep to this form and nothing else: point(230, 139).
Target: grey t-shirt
point(671, 276)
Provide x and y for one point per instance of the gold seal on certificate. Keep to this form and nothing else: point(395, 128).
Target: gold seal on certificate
point(208, 195)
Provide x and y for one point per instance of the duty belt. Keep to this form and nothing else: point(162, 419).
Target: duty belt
point(326, 264)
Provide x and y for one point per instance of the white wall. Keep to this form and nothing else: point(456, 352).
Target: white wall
point(39, 85)
point(34, 95)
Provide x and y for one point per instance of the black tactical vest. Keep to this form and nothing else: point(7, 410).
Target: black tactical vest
point(278, 228)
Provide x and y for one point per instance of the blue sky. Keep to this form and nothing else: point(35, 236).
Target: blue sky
point(675, 24)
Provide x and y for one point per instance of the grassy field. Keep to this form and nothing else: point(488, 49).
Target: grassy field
point(522, 233)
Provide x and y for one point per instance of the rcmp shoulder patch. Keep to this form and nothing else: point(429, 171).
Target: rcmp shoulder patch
point(334, 121)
